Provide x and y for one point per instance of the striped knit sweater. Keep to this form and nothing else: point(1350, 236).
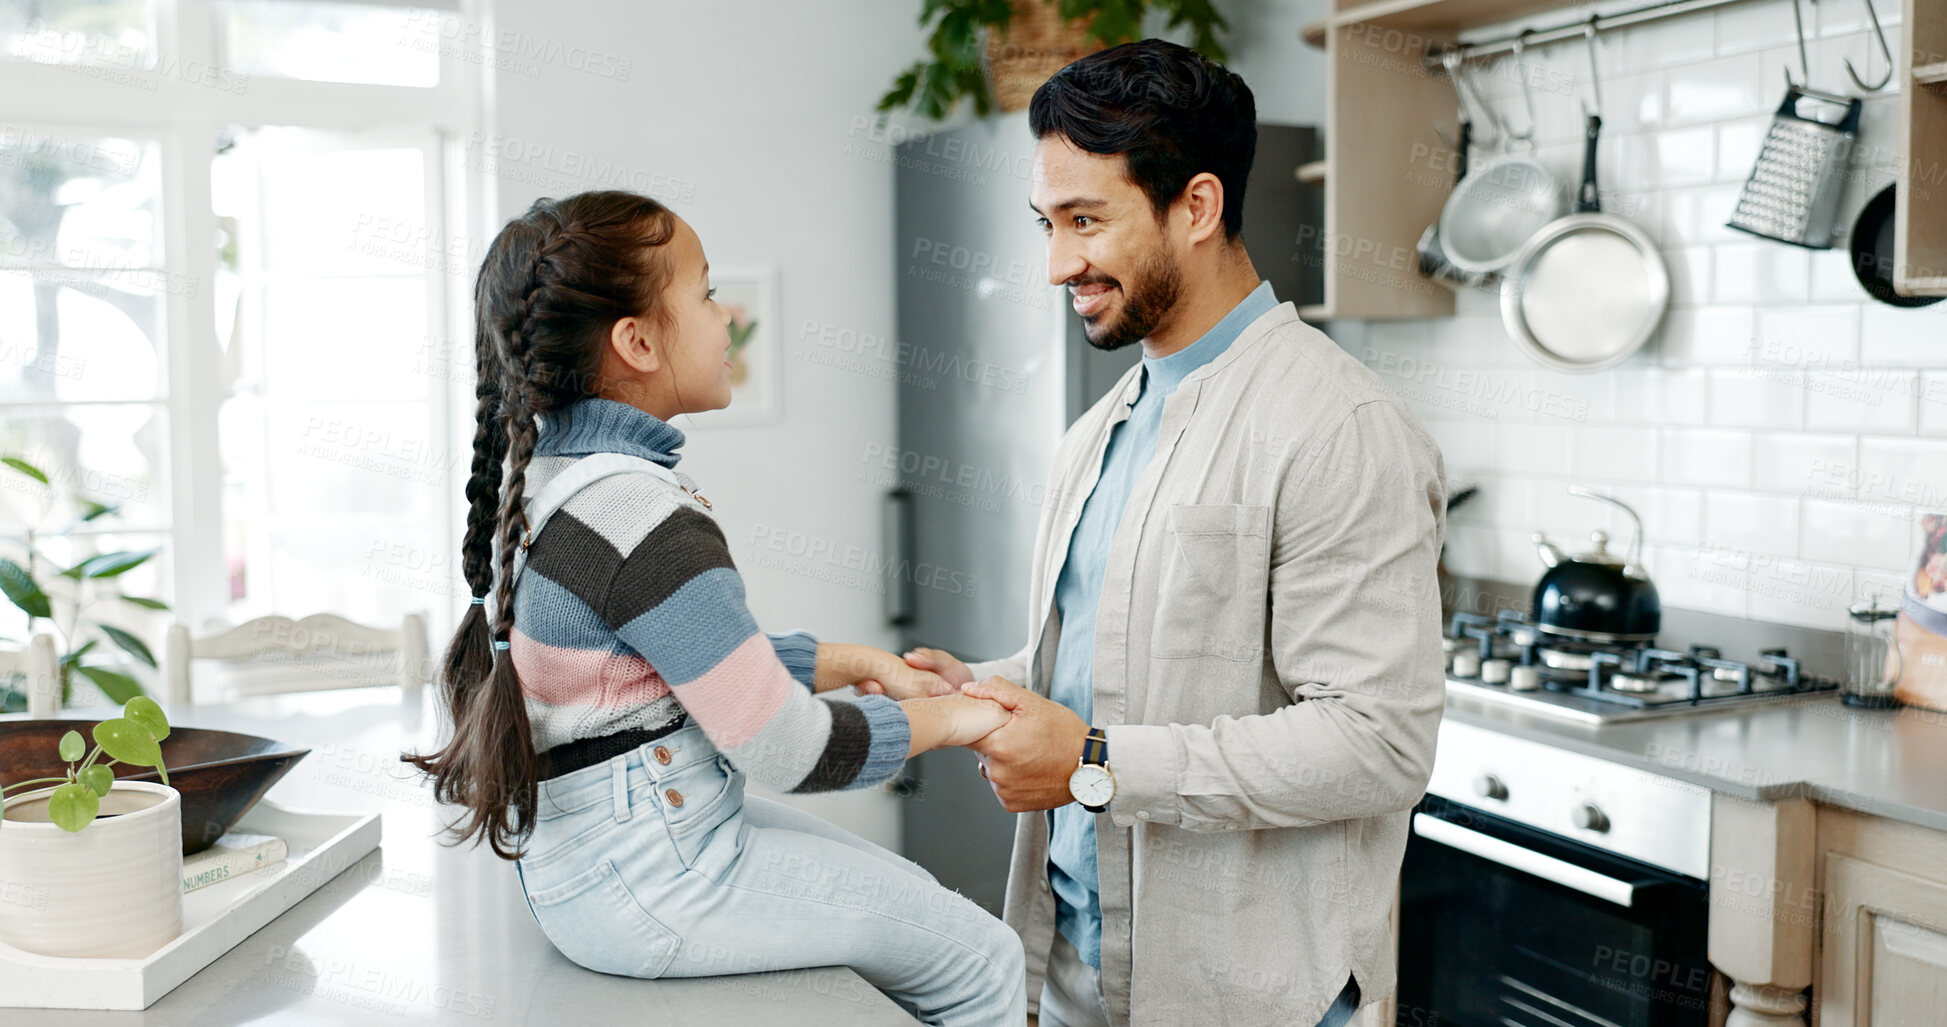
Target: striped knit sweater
point(629, 614)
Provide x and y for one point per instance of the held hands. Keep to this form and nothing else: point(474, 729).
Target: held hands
point(875, 672)
point(1028, 759)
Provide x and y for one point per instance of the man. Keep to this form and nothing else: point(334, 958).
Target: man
point(1233, 681)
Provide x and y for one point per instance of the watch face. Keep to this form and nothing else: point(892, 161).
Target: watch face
point(1091, 785)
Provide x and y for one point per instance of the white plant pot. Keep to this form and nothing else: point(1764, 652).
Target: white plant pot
point(112, 890)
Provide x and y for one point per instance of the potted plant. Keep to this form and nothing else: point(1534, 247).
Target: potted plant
point(91, 866)
point(1023, 43)
point(70, 598)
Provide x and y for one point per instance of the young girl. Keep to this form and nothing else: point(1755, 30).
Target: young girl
point(609, 703)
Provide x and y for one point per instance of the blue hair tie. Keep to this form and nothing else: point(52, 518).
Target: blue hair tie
point(500, 643)
point(479, 600)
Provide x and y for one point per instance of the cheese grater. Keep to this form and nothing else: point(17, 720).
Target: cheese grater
point(1793, 192)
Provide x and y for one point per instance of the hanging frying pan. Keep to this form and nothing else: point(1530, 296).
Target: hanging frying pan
point(1590, 288)
point(1872, 253)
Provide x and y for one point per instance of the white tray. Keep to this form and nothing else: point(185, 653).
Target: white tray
point(215, 918)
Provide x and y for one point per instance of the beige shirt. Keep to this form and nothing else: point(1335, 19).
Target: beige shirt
point(1268, 670)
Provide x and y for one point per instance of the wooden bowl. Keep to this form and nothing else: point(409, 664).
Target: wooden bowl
point(221, 774)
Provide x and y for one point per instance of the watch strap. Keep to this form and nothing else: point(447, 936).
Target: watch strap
point(1095, 748)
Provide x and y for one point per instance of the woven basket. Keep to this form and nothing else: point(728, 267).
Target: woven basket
point(1036, 44)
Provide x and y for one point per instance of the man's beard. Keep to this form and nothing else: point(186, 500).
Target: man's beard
point(1146, 301)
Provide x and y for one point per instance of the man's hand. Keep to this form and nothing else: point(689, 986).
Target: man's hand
point(876, 672)
point(1028, 759)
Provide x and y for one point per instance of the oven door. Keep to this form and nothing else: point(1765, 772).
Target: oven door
point(1501, 924)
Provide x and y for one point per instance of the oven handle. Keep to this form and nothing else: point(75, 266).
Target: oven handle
point(1528, 861)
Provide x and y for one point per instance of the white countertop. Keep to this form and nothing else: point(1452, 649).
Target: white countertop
point(424, 933)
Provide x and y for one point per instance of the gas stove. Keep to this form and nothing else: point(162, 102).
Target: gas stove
point(1509, 659)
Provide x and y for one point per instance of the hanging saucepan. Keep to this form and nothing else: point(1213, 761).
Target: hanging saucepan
point(1497, 208)
point(1872, 253)
point(1589, 289)
point(1596, 596)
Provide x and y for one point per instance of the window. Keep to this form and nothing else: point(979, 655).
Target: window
point(272, 411)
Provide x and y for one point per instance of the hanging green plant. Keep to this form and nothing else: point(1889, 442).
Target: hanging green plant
point(979, 49)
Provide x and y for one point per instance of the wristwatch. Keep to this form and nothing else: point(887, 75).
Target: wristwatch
point(1091, 784)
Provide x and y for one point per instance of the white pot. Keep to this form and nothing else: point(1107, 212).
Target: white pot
point(112, 890)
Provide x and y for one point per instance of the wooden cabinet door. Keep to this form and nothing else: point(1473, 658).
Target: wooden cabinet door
point(1885, 947)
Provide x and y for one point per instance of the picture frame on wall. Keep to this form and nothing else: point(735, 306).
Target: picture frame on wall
point(750, 294)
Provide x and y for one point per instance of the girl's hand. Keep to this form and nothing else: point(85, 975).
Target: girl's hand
point(875, 672)
point(968, 719)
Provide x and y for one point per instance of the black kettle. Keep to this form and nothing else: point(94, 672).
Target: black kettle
point(1596, 596)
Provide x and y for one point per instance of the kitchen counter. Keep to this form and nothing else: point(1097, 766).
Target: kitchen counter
point(420, 932)
point(1884, 763)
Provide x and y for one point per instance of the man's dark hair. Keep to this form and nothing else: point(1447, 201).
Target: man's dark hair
point(1169, 111)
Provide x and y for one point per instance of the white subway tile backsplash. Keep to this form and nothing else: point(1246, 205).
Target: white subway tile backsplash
point(1708, 458)
point(1855, 532)
point(1806, 338)
point(1754, 26)
point(1699, 578)
point(1755, 521)
point(1616, 454)
point(1781, 430)
point(1757, 398)
point(1715, 90)
point(1904, 471)
point(1933, 403)
point(1872, 400)
point(1761, 272)
point(1707, 336)
point(1904, 336)
point(1792, 463)
point(1811, 595)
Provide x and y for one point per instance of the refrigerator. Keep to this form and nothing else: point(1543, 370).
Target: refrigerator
point(990, 367)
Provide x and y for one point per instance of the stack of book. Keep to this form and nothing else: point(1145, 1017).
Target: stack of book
point(233, 854)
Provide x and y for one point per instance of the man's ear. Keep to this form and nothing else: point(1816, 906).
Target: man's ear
point(631, 342)
point(1203, 199)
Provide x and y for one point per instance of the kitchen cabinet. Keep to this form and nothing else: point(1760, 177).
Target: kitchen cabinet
point(1920, 205)
point(1883, 958)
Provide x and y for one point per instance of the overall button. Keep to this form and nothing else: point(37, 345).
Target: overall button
point(662, 755)
point(675, 798)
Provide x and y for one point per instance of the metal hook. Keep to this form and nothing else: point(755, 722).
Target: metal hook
point(1595, 77)
point(1527, 95)
point(1885, 51)
point(1470, 101)
point(1804, 66)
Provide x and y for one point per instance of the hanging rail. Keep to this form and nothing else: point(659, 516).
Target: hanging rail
point(1577, 30)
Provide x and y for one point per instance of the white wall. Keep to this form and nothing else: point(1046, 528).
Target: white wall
point(1287, 78)
point(740, 115)
point(1780, 432)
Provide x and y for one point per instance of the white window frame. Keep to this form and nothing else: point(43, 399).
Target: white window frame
point(184, 118)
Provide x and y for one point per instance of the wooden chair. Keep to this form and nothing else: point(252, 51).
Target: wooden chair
point(41, 668)
point(323, 651)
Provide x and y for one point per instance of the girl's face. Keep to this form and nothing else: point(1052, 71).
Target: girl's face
point(693, 338)
point(676, 361)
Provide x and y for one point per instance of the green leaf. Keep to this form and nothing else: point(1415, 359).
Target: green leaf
point(73, 746)
point(90, 511)
point(76, 656)
point(25, 468)
point(72, 806)
point(146, 604)
point(98, 778)
point(118, 687)
point(130, 644)
point(22, 591)
point(109, 565)
point(125, 740)
point(144, 711)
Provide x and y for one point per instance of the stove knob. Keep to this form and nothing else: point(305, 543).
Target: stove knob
point(1495, 672)
point(1589, 817)
point(1524, 678)
point(1466, 663)
point(1487, 786)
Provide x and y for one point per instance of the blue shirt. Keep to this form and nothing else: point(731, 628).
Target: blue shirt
point(1071, 841)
